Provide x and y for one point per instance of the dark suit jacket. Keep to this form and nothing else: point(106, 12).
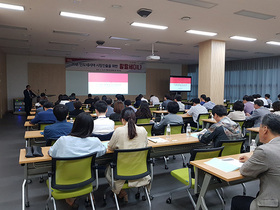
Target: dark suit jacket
point(28, 96)
point(44, 117)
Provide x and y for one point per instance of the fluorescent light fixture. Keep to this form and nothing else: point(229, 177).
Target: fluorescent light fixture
point(124, 39)
point(256, 15)
point(169, 43)
point(145, 25)
point(70, 33)
point(110, 48)
point(11, 6)
point(273, 43)
point(204, 33)
point(242, 38)
point(81, 16)
point(62, 43)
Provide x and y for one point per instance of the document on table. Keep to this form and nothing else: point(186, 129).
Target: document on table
point(226, 164)
point(195, 134)
point(157, 139)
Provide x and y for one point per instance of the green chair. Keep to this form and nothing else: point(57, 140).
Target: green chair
point(42, 126)
point(143, 120)
point(131, 164)
point(72, 177)
point(232, 147)
point(200, 122)
point(186, 175)
point(148, 128)
point(118, 122)
point(241, 124)
point(175, 129)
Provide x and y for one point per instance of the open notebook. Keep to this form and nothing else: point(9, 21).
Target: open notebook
point(156, 139)
point(226, 164)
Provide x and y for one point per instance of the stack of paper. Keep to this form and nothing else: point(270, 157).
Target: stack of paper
point(157, 139)
point(226, 165)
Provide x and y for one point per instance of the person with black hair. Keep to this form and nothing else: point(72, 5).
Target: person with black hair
point(64, 99)
point(77, 109)
point(138, 101)
point(89, 100)
point(46, 116)
point(110, 109)
point(202, 99)
point(172, 118)
point(144, 111)
point(267, 97)
point(130, 136)
point(178, 99)
point(276, 107)
point(258, 113)
point(208, 103)
point(61, 127)
point(224, 129)
point(195, 110)
point(41, 108)
point(78, 143)
point(127, 103)
point(102, 125)
point(264, 165)
point(248, 104)
point(166, 100)
point(70, 104)
point(154, 100)
point(238, 113)
point(103, 98)
point(28, 95)
point(259, 97)
point(278, 97)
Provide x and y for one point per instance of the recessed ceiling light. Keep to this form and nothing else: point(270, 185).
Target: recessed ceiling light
point(81, 16)
point(11, 6)
point(273, 43)
point(204, 33)
point(116, 6)
point(124, 39)
point(169, 43)
point(197, 3)
point(242, 38)
point(110, 48)
point(63, 43)
point(13, 27)
point(145, 25)
point(185, 18)
point(256, 15)
point(70, 33)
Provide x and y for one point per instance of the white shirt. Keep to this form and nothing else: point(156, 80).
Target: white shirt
point(103, 125)
point(154, 100)
point(264, 101)
point(143, 99)
point(181, 106)
point(71, 146)
point(63, 102)
point(196, 110)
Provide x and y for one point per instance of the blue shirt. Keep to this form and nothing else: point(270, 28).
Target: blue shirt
point(56, 130)
point(44, 117)
point(110, 111)
point(70, 106)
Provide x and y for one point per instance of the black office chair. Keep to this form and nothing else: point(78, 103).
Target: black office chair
point(103, 137)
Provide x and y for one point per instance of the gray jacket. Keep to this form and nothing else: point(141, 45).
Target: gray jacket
point(265, 165)
point(257, 116)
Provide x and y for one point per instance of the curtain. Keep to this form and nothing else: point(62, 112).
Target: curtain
point(246, 77)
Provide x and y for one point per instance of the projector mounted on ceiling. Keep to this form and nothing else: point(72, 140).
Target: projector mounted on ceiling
point(153, 57)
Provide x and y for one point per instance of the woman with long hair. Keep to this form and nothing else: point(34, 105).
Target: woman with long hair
point(144, 111)
point(118, 107)
point(78, 143)
point(130, 136)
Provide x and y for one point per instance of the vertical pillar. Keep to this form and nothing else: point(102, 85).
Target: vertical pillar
point(212, 70)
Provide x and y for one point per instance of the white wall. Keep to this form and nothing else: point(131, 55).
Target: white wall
point(175, 69)
point(17, 73)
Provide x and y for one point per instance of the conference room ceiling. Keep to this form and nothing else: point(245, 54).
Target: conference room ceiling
point(40, 30)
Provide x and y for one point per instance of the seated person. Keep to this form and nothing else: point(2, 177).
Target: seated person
point(89, 100)
point(127, 103)
point(70, 104)
point(92, 108)
point(138, 101)
point(248, 102)
point(110, 109)
point(238, 113)
point(202, 99)
point(178, 99)
point(64, 99)
point(78, 143)
point(144, 111)
point(258, 113)
point(61, 127)
point(130, 136)
point(154, 100)
point(77, 110)
point(102, 125)
point(195, 110)
point(264, 165)
point(276, 107)
point(224, 129)
point(267, 97)
point(172, 118)
point(166, 100)
point(118, 107)
point(208, 103)
point(46, 116)
point(41, 108)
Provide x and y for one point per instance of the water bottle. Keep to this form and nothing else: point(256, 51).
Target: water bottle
point(188, 130)
point(253, 145)
point(87, 107)
point(230, 108)
point(212, 117)
point(161, 116)
point(160, 107)
point(168, 131)
point(71, 120)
